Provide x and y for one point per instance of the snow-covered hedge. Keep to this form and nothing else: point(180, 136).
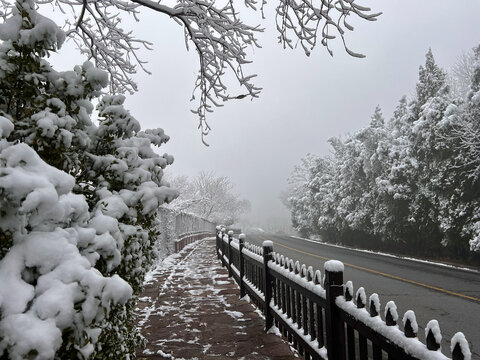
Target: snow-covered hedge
point(78, 203)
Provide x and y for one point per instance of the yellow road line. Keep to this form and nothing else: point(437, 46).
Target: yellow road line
point(387, 275)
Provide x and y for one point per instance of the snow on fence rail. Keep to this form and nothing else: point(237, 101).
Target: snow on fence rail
point(189, 237)
point(318, 314)
point(180, 229)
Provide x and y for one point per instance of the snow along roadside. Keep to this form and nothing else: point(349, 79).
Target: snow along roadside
point(392, 255)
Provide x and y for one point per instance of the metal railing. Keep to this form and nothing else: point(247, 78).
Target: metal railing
point(179, 229)
point(319, 316)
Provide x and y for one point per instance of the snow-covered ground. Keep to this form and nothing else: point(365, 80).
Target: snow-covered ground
point(190, 309)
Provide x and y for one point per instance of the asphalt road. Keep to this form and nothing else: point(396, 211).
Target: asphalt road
point(449, 295)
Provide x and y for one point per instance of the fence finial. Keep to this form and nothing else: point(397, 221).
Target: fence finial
point(348, 290)
point(290, 265)
point(334, 266)
point(410, 326)
point(433, 335)
point(277, 258)
point(459, 347)
point(391, 314)
point(374, 307)
point(303, 271)
point(296, 267)
point(310, 273)
point(361, 298)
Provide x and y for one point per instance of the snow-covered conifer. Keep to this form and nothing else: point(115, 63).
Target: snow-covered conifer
point(431, 78)
point(411, 184)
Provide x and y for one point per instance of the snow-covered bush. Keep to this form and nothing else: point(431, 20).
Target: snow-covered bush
point(52, 299)
point(78, 202)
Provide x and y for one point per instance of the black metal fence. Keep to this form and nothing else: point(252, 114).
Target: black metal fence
point(319, 316)
point(179, 229)
point(190, 237)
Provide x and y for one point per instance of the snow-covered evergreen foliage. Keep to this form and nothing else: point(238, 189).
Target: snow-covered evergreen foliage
point(411, 183)
point(78, 203)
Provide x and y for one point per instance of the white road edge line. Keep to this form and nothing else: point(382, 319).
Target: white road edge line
point(390, 255)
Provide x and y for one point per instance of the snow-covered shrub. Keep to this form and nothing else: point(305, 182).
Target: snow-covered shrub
point(78, 203)
point(52, 300)
point(127, 177)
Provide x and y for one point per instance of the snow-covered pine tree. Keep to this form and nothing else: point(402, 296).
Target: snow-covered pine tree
point(412, 183)
point(443, 197)
point(471, 141)
point(413, 167)
point(301, 198)
point(471, 121)
point(464, 133)
point(360, 160)
point(431, 78)
point(393, 191)
point(376, 149)
point(325, 196)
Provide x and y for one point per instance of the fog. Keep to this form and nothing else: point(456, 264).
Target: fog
point(305, 100)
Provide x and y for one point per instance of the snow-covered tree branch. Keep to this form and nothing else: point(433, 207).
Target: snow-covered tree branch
point(213, 28)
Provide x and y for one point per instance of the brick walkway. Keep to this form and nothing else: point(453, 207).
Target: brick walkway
point(191, 310)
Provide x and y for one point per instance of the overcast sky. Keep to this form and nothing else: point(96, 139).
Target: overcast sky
point(304, 102)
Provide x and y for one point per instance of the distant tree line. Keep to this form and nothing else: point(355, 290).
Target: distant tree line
point(410, 184)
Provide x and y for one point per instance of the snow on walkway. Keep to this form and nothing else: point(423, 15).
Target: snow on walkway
point(190, 309)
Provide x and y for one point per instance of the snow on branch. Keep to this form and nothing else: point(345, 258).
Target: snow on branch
point(214, 29)
point(307, 22)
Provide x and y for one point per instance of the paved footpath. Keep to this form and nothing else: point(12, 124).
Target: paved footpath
point(190, 309)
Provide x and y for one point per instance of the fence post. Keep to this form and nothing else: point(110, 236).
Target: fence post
point(267, 256)
point(334, 326)
point(230, 237)
point(222, 245)
point(241, 244)
point(218, 242)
